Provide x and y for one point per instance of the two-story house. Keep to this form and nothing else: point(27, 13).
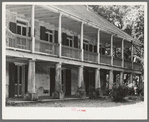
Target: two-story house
point(50, 48)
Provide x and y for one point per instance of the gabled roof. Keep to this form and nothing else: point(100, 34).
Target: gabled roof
point(82, 12)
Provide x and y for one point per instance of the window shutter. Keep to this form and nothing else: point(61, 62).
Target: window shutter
point(95, 48)
point(12, 27)
point(75, 41)
point(29, 31)
point(42, 33)
point(64, 39)
point(56, 36)
point(46, 36)
point(90, 47)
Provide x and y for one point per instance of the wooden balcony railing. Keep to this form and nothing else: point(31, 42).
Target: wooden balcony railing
point(90, 56)
point(17, 41)
point(117, 61)
point(105, 59)
point(137, 66)
point(71, 52)
point(46, 47)
point(128, 64)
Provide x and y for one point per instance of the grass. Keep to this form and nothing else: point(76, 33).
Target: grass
point(100, 102)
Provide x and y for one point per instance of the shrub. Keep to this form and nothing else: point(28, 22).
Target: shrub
point(98, 92)
point(92, 93)
point(118, 92)
point(130, 91)
point(81, 92)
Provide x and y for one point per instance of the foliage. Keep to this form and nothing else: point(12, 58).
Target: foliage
point(130, 91)
point(94, 93)
point(129, 18)
point(118, 92)
point(80, 92)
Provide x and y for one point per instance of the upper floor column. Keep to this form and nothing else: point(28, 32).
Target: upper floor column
point(81, 42)
point(98, 43)
point(59, 34)
point(111, 50)
point(132, 54)
point(122, 53)
point(33, 28)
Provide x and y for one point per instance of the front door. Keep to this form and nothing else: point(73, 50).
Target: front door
point(17, 80)
point(68, 82)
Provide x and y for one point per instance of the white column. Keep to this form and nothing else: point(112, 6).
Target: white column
point(31, 76)
point(111, 50)
point(97, 78)
point(81, 43)
point(132, 54)
point(59, 34)
point(33, 28)
point(80, 77)
point(98, 42)
point(131, 78)
point(58, 79)
point(122, 53)
point(110, 79)
point(121, 77)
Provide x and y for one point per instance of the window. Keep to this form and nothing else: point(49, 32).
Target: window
point(21, 27)
point(69, 41)
point(85, 45)
point(49, 36)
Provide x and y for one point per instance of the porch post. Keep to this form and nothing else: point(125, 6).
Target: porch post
point(132, 54)
point(112, 50)
point(131, 78)
point(58, 82)
point(80, 77)
point(59, 34)
point(122, 53)
point(81, 45)
point(33, 28)
point(121, 77)
point(97, 78)
point(110, 79)
point(98, 42)
point(31, 80)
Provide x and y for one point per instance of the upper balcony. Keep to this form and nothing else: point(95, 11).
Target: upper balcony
point(75, 38)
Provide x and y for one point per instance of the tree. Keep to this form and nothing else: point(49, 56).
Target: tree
point(128, 18)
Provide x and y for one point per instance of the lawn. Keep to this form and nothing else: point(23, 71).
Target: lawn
point(100, 102)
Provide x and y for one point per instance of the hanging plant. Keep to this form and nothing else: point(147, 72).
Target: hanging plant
point(42, 68)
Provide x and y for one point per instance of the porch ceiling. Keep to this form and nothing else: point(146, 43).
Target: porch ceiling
point(40, 13)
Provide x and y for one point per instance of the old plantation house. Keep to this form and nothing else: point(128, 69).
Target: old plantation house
point(57, 48)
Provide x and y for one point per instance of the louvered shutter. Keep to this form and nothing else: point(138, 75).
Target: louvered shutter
point(64, 39)
point(56, 36)
point(95, 48)
point(29, 31)
point(90, 47)
point(42, 33)
point(12, 27)
point(75, 41)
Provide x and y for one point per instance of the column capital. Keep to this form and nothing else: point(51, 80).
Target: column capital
point(81, 66)
point(97, 69)
point(32, 60)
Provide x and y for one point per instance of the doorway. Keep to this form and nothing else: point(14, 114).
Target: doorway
point(18, 80)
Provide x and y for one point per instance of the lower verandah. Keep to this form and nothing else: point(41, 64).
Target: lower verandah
point(17, 79)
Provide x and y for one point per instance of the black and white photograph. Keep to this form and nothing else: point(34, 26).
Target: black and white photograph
point(69, 60)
